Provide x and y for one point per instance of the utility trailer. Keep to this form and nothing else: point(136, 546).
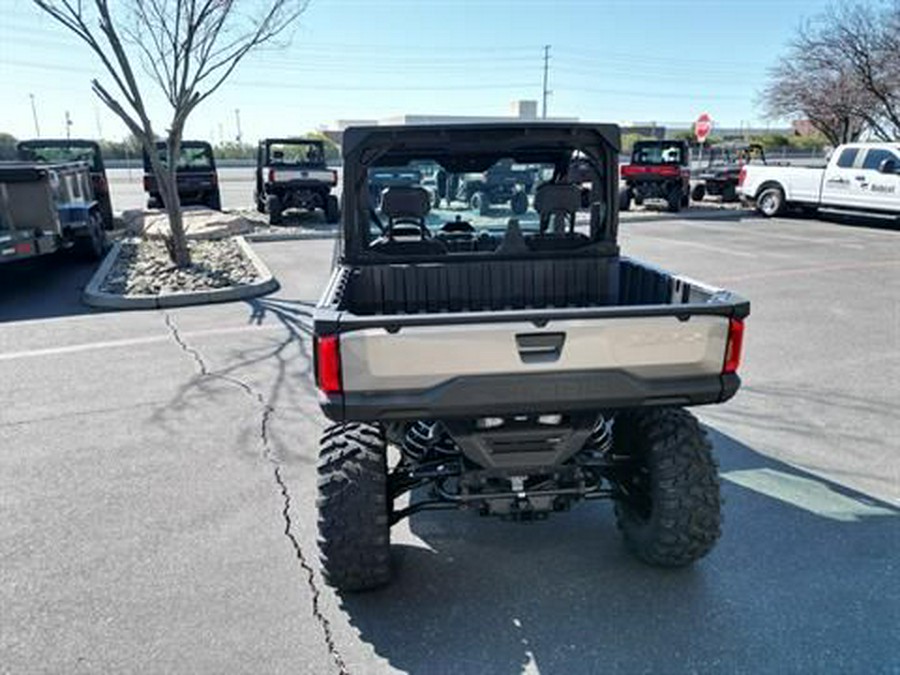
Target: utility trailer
point(517, 364)
point(45, 208)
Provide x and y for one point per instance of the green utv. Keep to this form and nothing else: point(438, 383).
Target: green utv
point(516, 363)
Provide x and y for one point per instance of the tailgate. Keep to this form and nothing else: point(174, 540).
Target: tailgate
point(309, 175)
point(421, 357)
point(443, 369)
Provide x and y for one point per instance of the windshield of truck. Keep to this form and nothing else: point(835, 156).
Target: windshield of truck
point(425, 206)
point(658, 153)
point(191, 158)
point(56, 154)
point(295, 154)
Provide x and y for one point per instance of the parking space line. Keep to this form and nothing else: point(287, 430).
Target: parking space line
point(808, 270)
point(131, 342)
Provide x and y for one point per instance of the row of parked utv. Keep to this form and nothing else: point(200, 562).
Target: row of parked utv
point(661, 171)
point(56, 194)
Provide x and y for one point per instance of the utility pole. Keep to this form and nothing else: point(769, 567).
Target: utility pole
point(37, 127)
point(546, 67)
point(68, 126)
point(237, 118)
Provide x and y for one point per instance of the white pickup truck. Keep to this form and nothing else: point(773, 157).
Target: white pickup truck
point(859, 177)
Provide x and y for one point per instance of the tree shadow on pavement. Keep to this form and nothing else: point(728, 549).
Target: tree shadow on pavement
point(270, 372)
point(803, 580)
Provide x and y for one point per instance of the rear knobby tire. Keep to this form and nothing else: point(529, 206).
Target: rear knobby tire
point(673, 515)
point(624, 199)
point(354, 527)
point(698, 192)
point(673, 200)
point(274, 209)
point(332, 210)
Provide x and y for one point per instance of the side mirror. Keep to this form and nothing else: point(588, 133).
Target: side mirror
point(888, 165)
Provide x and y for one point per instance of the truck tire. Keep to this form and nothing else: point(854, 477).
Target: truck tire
point(698, 192)
point(479, 202)
point(92, 244)
point(673, 514)
point(332, 210)
point(519, 203)
point(354, 526)
point(274, 209)
point(770, 201)
point(624, 199)
point(673, 200)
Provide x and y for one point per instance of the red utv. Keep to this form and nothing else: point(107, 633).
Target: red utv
point(658, 170)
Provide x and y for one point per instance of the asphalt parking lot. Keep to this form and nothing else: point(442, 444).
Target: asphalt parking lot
point(158, 488)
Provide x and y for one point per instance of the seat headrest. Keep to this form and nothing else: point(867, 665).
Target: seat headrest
point(405, 202)
point(553, 198)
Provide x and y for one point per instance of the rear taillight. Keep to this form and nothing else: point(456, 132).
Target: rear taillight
point(271, 175)
point(328, 364)
point(742, 176)
point(734, 346)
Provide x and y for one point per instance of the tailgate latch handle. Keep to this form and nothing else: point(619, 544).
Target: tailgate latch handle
point(540, 347)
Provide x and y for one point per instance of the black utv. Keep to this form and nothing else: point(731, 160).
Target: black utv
point(56, 151)
point(196, 177)
point(503, 183)
point(291, 173)
point(720, 170)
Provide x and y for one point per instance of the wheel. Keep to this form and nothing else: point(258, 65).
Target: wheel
point(214, 201)
point(106, 214)
point(673, 200)
point(671, 514)
point(354, 527)
point(624, 199)
point(93, 244)
point(260, 204)
point(770, 201)
point(638, 200)
point(698, 192)
point(273, 208)
point(729, 193)
point(479, 202)
point(519, 203)
point(332, 210)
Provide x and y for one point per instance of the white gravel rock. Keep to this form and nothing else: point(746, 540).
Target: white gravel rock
point(144, 268)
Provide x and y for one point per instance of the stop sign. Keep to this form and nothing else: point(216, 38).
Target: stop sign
point(702, 127)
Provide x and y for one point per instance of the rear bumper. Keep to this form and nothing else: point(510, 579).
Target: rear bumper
point(501, 395)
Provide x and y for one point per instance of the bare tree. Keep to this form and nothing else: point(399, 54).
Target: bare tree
point(842, 72)
point(188, 48)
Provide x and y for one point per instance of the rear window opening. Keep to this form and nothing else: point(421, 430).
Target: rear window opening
point(507, 207)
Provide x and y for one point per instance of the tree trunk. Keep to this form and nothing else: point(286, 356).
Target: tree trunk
point(167, 180)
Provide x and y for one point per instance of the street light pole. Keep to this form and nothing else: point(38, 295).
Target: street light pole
point(237, 117)
point(546, 67)
point(37, 127)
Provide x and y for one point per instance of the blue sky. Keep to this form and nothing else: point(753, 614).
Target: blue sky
point(611, 60)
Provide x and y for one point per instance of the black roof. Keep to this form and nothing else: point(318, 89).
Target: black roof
point(473, 147)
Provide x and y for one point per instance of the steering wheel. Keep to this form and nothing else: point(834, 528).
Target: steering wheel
point(407, 227)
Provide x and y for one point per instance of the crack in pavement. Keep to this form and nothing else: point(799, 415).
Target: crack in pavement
point(265, 419)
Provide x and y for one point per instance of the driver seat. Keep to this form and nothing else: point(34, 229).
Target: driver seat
point(407, 205)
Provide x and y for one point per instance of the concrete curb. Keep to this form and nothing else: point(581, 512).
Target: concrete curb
point(94, 297)
point(289, 236)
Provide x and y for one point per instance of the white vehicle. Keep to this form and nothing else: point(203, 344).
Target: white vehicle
point(859, 177)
